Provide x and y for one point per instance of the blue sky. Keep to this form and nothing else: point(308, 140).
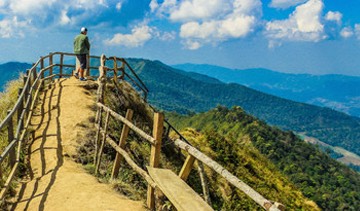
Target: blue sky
point(294, 36)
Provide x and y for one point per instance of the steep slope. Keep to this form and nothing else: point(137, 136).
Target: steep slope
point(173, 91)
point(245, 161)
point(229, 131)
point(339, 92)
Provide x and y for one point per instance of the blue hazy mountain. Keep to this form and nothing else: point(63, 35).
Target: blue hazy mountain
point(338, 92)
point(10, 71)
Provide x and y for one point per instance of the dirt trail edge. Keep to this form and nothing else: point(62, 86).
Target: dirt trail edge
point(55, 181)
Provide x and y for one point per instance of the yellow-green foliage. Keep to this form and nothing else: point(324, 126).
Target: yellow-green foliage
point(8, 99)
point(250, 166)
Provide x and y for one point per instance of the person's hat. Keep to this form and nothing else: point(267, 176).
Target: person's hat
point(83, 29)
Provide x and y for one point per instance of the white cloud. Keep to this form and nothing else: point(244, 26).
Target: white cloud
point(192, 45)
point(205, 22)
point(25, 7)
point(333, 16)
point(167, 36)
point(12, 28)
point(118, 6)
point(154, 5)
point(64, 18)
point(304, 24)
point(283, 4)
point(197, 10)
point(347, 32)
point(139, 35)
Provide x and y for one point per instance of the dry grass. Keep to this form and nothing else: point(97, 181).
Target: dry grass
point(8, 99)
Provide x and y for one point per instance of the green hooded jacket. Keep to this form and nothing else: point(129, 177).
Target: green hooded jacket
point(81, 44)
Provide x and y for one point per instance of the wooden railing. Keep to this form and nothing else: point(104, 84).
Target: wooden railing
point(54, 65)
point(16, 124)
point(156, 143)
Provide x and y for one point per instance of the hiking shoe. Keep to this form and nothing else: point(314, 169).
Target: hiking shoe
point(82, 79)
point(76, 75)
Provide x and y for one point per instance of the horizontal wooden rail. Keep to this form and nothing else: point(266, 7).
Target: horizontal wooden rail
point(126, 156)
point(259, 199)
point(128, 123)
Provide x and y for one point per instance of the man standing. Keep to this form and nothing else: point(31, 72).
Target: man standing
point(81, 49)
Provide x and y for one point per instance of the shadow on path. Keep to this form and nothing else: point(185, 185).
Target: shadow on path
point(46, 120)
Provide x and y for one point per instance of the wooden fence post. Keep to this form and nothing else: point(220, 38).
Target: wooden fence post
point(61, 64)
point(12, 156)
point(185, 170)
point(98, 132)
point(42, 66)
point(87, 71)
point(98, 162)
point(155, 154)
point(204, 182)
point(50, 63)
point(20, 109)
point(122, 141)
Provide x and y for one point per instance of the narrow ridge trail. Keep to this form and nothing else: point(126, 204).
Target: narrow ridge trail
point(55, 181)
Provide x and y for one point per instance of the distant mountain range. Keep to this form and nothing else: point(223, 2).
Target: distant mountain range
point(10, 71)
point(337, 92)
point(183, 92)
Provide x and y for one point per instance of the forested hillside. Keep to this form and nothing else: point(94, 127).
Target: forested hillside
point(339, 92)
point(174, 91)
point(330, 184)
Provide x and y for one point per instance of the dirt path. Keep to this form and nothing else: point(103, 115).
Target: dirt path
point(55, 181)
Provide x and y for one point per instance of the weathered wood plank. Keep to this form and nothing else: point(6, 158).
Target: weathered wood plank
point(182, 196)
point(155, 154)
point(266, 204)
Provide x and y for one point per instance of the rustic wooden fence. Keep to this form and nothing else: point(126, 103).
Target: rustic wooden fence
point(103, 118)
point(16, 124)
point(56, 65)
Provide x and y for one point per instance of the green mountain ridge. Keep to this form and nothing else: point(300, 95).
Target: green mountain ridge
point(172, 90)
point(330, 184)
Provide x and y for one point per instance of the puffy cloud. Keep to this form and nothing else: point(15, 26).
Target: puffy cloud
point(64, 19)
point(283, 4)
point(213, 21)
point(347, 32)
point(139, 35)
point(333, 16)
point(197, 10)
point(118, 6)
point(12, 27)
point(154, 5)
point(304, 24)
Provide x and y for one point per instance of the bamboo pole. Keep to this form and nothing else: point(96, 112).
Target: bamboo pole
point(123, 137)
point(97, 168)
point(155, 154)
point(266, 204)
point(186, 168)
